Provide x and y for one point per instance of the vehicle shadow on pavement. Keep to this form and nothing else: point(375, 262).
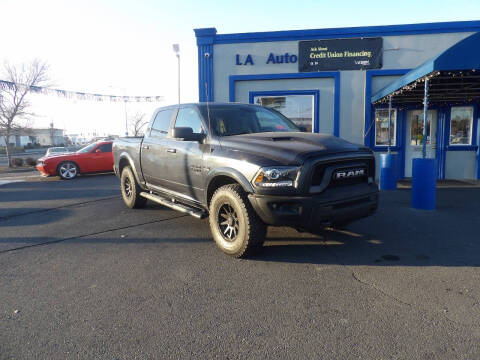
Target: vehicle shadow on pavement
point(339, 248)
point(29, 216)
point(59, 195)
point(396, 235)
point(83, 187)
point(12, 244)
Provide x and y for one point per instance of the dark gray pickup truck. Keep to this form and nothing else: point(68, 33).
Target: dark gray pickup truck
point(245, 167)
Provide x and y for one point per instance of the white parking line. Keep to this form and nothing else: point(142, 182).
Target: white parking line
point(4, 182)
point(11, 179)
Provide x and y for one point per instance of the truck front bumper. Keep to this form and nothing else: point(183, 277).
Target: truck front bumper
point(332, 207)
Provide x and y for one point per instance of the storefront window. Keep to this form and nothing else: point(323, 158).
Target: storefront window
point(381, 127)
point(416, 130)
point(461, 120)
point(298, 108)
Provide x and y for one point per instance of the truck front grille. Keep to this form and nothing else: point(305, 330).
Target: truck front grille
point(324, 169)
point(349, 181)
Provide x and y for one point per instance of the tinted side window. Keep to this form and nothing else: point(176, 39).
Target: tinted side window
point(105, 147)
point(161, 124)
point(188, 117)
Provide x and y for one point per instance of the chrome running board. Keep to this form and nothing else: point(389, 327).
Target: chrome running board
point(196, 213)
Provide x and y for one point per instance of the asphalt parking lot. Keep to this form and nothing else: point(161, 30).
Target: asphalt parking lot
point(82, 276)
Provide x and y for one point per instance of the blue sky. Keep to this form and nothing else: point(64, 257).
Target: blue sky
point(107, 46)
point(250, 16)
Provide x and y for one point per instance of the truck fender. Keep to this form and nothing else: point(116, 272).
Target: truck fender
point(124, 156)
point(236, 175)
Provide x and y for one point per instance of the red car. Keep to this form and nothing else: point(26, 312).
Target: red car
point(96, 157)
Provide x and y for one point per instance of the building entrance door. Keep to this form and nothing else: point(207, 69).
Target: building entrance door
point(414, 138)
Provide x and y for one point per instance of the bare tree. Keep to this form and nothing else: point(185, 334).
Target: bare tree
point(14, 104)
point(137, 122)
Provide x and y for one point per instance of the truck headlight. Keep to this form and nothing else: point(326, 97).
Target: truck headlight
point(277, 176)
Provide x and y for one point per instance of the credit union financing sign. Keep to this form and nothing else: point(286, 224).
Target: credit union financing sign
point(340, 54)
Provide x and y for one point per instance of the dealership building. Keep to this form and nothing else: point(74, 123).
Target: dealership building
point(340, 81)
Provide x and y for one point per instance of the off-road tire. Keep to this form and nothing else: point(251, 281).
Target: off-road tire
point(251, 230)
point(131, 190)
point(67, 170)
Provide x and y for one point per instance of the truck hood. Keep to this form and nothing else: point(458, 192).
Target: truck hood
point(288, 148)
point(59, 156)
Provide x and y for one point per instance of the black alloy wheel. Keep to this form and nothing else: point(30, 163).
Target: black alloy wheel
point(235, 226)
point(228, 222)
point(130, 189)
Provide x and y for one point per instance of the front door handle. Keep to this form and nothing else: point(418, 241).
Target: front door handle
point(172, 150)
point(146, 147)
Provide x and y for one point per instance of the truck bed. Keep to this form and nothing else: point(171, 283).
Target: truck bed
point(129, 147)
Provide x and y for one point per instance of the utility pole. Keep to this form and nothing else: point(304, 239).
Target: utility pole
point(124, 91)
point(125, 108)
point(52, 135)
point(176, 49)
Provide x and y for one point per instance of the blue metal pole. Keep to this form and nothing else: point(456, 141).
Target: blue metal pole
point(388, 162)
point(389, 122)
point(425, 118)
point(424, 175)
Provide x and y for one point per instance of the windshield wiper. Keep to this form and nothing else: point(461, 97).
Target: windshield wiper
point(240, 133)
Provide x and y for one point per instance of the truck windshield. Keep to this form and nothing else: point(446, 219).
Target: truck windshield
point(227, 120)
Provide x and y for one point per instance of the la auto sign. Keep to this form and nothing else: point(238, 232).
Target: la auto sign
point(271, 58)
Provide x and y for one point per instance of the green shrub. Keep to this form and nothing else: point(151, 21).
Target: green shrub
point(17, 162)
point(30, 161)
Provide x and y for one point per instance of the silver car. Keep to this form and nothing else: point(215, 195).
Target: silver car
point(56, 151)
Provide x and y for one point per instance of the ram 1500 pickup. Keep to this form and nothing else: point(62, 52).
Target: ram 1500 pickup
point(246, 167)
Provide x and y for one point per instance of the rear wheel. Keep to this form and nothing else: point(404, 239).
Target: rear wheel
point(131, 190)
point(67, 170)
point(236, 228)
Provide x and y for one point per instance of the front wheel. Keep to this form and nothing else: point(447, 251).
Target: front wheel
point(131, 190)
point(236, 228)
point(67, 170)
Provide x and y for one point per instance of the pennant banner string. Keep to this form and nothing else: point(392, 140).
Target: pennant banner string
point(7, 85)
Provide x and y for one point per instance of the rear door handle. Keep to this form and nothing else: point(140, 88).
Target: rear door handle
point(172, 150)
point(146, 147)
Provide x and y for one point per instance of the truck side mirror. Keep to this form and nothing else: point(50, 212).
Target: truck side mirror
point(186, 134)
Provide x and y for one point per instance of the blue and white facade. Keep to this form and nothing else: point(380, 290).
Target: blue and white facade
point(263, 68)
